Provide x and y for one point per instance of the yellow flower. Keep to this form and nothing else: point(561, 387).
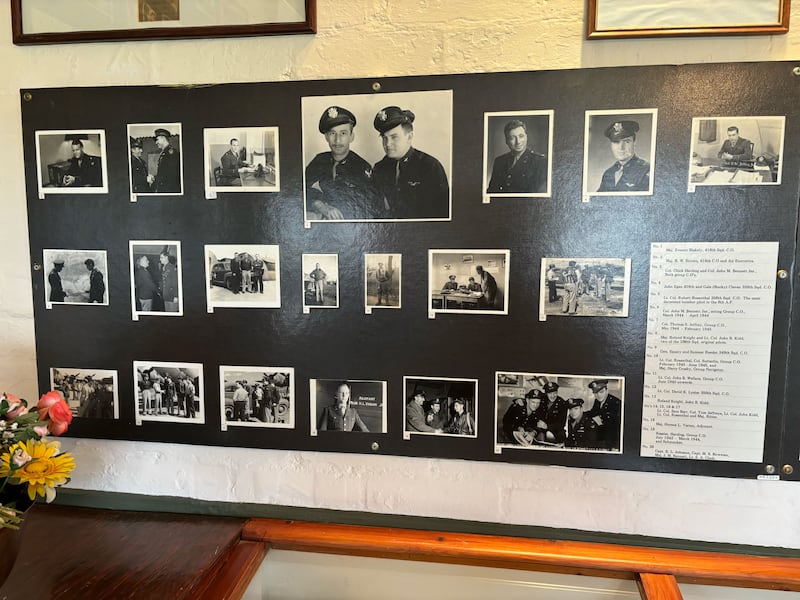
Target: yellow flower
point(43, 472)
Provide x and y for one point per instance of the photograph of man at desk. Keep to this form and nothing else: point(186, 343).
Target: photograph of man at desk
point(736, 151)
point(468, 281)
point(241, 159)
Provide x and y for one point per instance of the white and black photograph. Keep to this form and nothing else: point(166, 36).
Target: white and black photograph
point(256, 397)
point(320, 281)
point(348, 405)
point(584, 287)
point(89, 393)
point(468, 281)
point(242, 276)
point(155, 156)
point(440, 406)
point(75, 277)
point(378, 157)
point(156, 278)
point(382, 281)
point(169, 391)
point(517, 153)
point(543, 411)
point(619, 152)
point(241, 159)
point(736, 151)
point(71, 162)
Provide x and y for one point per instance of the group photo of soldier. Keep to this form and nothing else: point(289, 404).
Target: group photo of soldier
point(75, 277)
point(256, 397)
point(440, 406)
point(71, 162)
point(468, 281)
point(372, 157)
point(619, 152)
point(241, 159)
point(89, 393)
point(351, 405)
point(242, 276)
point(559, 412)
point(736, 150)
point(155, 157)
point(382, 281)
point(518, 153)
point(584, 287)
point(156, 278)
point(320, 281)
point(169, 391)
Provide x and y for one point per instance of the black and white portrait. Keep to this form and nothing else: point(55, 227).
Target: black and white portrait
point(242, 276)
point(155, 156)
point(559, 412)
point(468, 281)
point(71, 162)
point(169, 391)
point(375, 157)
point(348, 405)
point(75, 277)
point(156, 279)
point(736, 151)
point(382, 281)
point(584, 287)
point(256, 397)
point(440, 406)
point(320, 281)
point(89, 393)
point(619, 152)
point(241, 159)
point(517, 153)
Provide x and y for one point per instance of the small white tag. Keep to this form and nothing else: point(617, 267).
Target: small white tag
point(211, 195)
point(543, 318)
point(431, 314)
point(209, 309)
point(133, 197)
point(306, 310)
point(41, 195)
point(487, 199)
point(307, 224)
point(406, 435)
point(48, 305)
point(586, 198)
point(498, 450)
point(367, 310)
point(768, 477)
point(692, 187)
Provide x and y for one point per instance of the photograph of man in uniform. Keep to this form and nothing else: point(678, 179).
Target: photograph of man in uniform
point(71, 162)
point(89, 393)
point(440, 406)
point(584, 287)
point(404, 176)
point(338, 183)
point(564, 412)
point(156, 161)
point(241, 159)
point(382, 276)
point(256, 397)
point(168, 392)
point(75, 277)
point(156, 282)
point(629, 138)
point(348, 405)
point(524, 169)
point(320, 281)
point(242, 276)
point(468, 281)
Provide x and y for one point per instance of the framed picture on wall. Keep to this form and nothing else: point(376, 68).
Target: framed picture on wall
point(46, 22)
point(71, 162)
point(241, 159)
point(628, 18)
point(471, 282)
point(155, 159)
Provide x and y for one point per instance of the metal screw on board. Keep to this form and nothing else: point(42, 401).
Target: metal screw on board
point(783, 274)
point(769, 469)
point(37, 267)
point(796, 71)
point(375, 446)
point(376, 87)
point(787, 469)
point(27, 96)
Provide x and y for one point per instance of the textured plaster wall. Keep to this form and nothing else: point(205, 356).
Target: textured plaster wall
point(371, 38)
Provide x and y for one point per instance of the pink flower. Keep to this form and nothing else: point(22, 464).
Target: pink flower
point(40, 430)
point(16, 407)
point(20, 457)
point(52, 406)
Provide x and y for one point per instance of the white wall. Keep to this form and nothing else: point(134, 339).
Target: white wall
point(371, 38)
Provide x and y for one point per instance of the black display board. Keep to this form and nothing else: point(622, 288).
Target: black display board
point(387, 345)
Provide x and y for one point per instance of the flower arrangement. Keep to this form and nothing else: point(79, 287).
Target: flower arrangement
point(31, 466)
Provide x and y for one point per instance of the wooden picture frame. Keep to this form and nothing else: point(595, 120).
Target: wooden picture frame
point(132, 25)
point(609, 20)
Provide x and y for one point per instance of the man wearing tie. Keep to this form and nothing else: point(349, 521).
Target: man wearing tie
point(629, 173)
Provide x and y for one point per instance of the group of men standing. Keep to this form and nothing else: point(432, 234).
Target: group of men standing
point(247, 273)
point(406, 183)
point(543, 417)
point(259, 400)
point(167, 179)
point(94, 398)
point(167, 395)
point(433, 420)
point(97, 286)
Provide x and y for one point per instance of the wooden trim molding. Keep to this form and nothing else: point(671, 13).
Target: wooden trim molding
point(230, 580)
point(610, 560)
point(658, 587)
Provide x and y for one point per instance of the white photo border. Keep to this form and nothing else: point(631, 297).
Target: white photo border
point(43, 191)
point(407, 434)
point(135, 314)
point(175, 129)
point(471, 251)
point(199, 419)
point(212, 190)
point(223, 420)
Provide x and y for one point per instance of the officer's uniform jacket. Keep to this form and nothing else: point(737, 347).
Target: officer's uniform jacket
point(168, 176)
point(527, 176)
point(351, 191)
point(635, 177)
point(418, 190)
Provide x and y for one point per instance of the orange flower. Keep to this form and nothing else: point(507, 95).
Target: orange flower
point(52, 406)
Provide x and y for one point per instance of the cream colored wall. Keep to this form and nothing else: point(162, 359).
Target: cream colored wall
point(373, 38)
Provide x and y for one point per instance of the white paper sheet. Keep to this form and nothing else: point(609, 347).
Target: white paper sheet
point(709, 336)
